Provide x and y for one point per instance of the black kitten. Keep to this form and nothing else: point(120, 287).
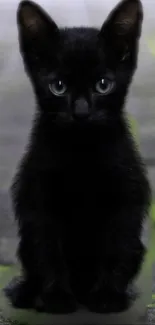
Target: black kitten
point(81, 193)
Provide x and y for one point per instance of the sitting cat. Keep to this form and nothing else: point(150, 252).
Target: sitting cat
point(81, 192)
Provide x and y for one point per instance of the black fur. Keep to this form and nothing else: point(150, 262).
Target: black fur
point(81, 193)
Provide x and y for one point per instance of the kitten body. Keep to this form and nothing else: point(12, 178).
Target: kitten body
point(81, 193)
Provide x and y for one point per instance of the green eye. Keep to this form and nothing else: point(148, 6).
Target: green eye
point(58, 87)
point(104, 86)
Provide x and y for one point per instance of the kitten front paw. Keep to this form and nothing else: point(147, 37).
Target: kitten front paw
point(58, 301)
point(112, 302)
point(20, 293)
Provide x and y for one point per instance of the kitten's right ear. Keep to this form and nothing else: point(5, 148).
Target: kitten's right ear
point(34, 24)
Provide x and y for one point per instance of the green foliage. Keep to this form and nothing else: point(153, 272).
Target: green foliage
point(134, 130)
point(151, 44)
point(153, 213)
point(134, 127)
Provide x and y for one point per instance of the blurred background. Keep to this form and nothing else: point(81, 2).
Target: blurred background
point(17, 101)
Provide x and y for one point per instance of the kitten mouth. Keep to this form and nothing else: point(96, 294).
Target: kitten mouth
point(81, 117)
point(71, 119)
point(67, 120)
point(83, 121)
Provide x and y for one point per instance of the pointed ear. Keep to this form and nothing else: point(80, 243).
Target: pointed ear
point(34, 24)
point(122, 29)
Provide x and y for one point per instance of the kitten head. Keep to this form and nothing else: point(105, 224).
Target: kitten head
point(80, 75)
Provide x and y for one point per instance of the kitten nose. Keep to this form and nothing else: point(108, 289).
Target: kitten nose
point(81, 109)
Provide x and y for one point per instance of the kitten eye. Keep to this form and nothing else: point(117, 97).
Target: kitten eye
point(104, 86)
point(58, 87)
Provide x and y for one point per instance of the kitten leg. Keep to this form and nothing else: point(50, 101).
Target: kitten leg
point(41, 261)
point(56, 295)
point(109, 300)
point(120, 265)
point(21, 292)
point(112, 292)
point(56, 300)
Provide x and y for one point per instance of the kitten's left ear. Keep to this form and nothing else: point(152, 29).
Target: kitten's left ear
point(122, 29)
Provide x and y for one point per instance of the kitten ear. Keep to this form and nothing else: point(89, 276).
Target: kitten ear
point(33, 22)
point(123, 26)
